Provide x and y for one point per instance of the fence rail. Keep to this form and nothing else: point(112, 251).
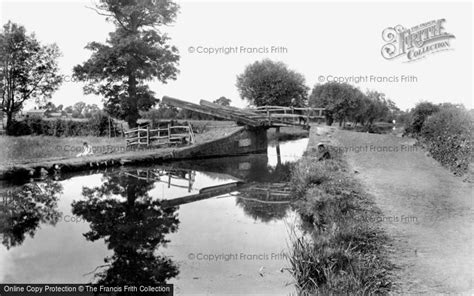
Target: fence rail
point(178, 134)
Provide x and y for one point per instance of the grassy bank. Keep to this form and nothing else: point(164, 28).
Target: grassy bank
point(341, 250)
point(24, 149)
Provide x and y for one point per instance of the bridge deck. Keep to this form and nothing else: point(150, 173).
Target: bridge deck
point(266, 116)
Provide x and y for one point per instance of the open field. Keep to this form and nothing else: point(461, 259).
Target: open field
point(20, 150)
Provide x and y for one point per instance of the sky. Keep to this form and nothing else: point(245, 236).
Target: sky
point(321, 40)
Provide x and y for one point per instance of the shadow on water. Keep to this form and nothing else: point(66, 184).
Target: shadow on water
point(126, 211)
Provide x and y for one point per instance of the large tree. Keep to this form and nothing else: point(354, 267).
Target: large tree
point(272, 83)
point(28, 70)
point(378, 107)
point(136, 52)
point(340, 100)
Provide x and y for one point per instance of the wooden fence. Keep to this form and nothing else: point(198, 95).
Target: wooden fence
point(171, 135)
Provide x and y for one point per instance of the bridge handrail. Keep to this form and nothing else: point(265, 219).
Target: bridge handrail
point(282, 108)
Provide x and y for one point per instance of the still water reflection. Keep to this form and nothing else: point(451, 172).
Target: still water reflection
point(125, 226)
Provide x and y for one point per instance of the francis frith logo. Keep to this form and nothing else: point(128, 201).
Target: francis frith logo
point(416, 42)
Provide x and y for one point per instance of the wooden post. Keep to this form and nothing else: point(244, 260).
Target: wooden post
point(190, 182)
point(138, 136)
point(169, 133)
point(148, 135)
point(278, 152)
point(191, 133)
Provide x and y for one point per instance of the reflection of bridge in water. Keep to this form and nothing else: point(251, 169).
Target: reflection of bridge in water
point(254, 181)
point(262, 193)
point(165, 176)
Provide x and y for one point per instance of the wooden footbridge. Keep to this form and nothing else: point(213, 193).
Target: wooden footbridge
point(266, 116)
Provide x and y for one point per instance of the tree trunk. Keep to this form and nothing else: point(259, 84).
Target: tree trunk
point(132, 114)
point(329, 120)
point(9, 121)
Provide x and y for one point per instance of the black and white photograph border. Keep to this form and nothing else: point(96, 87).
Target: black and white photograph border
point(181, 147)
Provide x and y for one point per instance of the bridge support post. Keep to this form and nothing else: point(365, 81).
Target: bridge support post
point(254, 140)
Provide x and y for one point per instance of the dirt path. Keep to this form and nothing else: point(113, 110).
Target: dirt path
point(426, 210)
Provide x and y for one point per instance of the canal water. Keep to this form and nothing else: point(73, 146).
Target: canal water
point(124, 226)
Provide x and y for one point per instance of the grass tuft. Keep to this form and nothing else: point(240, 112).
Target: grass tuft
point(342, 249)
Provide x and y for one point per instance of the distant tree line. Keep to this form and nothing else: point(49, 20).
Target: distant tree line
point(344, 102)
point(267, 82)
point(98, 125)
point(78, 110)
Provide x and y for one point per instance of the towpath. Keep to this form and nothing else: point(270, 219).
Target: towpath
point(427, 211)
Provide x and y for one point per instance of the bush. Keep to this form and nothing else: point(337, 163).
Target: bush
point(448, 137)
point(418, 116)
point(97, 125)
point(18, 128)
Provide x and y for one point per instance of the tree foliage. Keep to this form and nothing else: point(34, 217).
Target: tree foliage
point(134, 53)
point(28, 70)
point(339, 99)
point(272, 83)
point(419, 114)
point(223, 101)
point(446, 131)
point(344, 102)
point(448, 134)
